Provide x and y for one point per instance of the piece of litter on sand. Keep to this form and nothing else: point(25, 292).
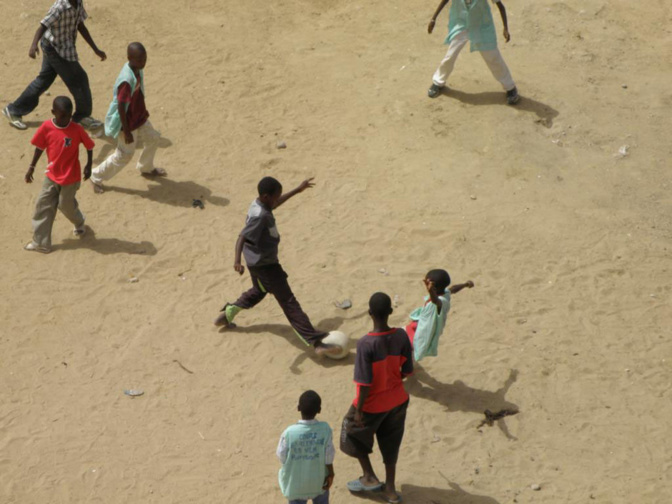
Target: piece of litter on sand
point(383, 271)
point(396, 300)
point(202, 436)
point(623, 151)
point(281, 145)
point(180, 364)
point(535, 487)
point(343, 305)
point(133, 280)
point(134, 392)
point(2, 176)
point(197, 203)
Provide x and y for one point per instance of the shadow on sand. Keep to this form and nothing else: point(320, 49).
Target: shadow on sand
point(545, 113)
point(307, 353)
point(412, 494)
point(107, 246)
point(458, 396)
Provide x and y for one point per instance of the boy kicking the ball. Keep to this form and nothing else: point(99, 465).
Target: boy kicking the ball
point(258, 242)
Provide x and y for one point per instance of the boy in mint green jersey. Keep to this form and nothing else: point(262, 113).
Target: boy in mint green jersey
point(306, 451)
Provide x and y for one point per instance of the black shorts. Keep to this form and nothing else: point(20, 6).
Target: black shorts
point(388, 427)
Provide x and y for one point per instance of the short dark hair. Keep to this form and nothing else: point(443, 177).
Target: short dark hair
point(63, 103)
point(269, 185)
point(310, 403)
point(380, 305)
point(440, 278)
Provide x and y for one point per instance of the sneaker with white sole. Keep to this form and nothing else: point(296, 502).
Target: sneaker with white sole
point(79, 231)
point(90, 123)
point(14, 120)
point(34, 247)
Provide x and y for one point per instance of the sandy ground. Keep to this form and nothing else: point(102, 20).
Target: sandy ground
point(568, 243)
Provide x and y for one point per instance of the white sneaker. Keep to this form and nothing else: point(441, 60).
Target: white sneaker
point(90, 123)
point(14, 120)
point(79, 231)
point(34, 247)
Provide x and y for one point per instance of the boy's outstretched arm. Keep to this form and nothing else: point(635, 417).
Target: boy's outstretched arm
point(502, 12)
point(237, 265)
point(89, 163)
point(457, 288)
point(29, 174)
point(36, 40)
point(81, 28)
point(432, 21)
point(300, 188)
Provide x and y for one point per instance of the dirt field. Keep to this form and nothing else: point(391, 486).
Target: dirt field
point(567, 241)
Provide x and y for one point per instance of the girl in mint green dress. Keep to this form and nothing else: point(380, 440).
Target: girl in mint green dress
point(471, 21)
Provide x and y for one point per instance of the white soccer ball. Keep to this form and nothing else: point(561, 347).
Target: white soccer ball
point(340, 339)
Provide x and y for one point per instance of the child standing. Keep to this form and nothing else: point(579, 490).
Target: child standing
point(258, 242)
point(428, 321)
point(384, 359)
point(471, 21)
point(61, 138)
point(306, 451)
point(128, 114)
point(57, 35)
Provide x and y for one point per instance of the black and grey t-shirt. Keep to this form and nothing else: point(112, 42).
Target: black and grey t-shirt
point(261, 236)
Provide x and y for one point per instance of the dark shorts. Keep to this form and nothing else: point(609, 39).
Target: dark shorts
point(388, 428)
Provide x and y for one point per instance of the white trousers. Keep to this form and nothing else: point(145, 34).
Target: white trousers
point(124, 152)
point(492, 58)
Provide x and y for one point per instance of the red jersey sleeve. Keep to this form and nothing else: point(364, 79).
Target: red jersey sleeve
point(124, 93)
point(40, 138)
point(86, 139)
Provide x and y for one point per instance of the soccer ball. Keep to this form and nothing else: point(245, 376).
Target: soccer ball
point(340, 339)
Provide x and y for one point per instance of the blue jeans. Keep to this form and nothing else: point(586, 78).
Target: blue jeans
point(320, 499)
point(73, 75)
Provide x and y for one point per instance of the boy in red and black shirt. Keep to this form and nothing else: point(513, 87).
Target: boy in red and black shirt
point(61, 138)
point(384, 359)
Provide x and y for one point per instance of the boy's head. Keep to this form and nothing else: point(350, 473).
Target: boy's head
point(62, 110)
point(137, 55)
point(270, 191)
point(380, 306)
point(440, 278)
point(310, 404)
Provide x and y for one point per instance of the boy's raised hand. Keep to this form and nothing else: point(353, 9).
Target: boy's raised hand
point(430, 286)
point(306, 184)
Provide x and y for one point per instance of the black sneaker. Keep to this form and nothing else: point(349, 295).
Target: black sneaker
point(434, 90)
point(512, 96)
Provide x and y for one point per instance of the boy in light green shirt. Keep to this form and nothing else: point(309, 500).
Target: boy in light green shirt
point(306, 451)
point(429, 320)
point(471, 21)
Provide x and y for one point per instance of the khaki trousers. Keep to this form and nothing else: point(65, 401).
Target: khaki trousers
point(54, 196)
point(124, 152)
point(493, 59)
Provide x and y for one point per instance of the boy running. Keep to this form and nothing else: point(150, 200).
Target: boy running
point(384, 359)
point(471, 21)
point(128, 114)
point(61, 138)
point(306, 451)
point(57, 34)
point(258, 242)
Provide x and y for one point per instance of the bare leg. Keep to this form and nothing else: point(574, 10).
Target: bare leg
point(390, 474)
point(369, 477)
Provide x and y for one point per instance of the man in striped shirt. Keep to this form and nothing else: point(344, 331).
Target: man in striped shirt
point(58, 34)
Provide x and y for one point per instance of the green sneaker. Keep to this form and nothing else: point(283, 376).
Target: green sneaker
point(228, 313)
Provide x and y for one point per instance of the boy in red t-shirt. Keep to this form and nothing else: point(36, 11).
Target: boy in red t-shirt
point(61, 138)
point(384, 359)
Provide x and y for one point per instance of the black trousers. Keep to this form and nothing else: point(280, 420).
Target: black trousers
point(272, 279)
point(73, 75)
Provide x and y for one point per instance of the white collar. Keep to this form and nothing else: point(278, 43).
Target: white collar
point(59, 127)
point(308, 422)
